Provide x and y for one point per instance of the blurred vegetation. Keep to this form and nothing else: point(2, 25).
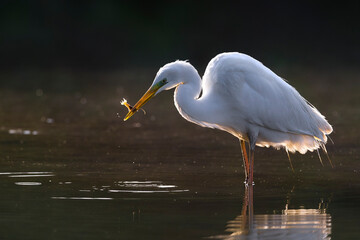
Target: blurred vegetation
point(93, 35)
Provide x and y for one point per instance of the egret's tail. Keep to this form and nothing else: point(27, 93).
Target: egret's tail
point(293, 142)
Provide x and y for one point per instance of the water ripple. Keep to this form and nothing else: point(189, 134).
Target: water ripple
point(81, 198)
point(145, 187)
point(20, 131)
point(32, 175)
point(24, 173)
point(28, 183)
point(148, 191)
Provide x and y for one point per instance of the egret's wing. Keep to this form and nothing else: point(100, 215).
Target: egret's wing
point(259, 96)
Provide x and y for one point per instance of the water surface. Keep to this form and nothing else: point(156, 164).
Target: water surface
point(72, 169)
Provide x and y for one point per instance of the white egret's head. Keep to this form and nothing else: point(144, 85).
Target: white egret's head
point(167, 78)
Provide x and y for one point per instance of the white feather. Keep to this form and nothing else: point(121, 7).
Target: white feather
point(264, 101)
point(243, 97)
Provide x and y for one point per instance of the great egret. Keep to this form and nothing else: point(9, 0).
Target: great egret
point(239, 95)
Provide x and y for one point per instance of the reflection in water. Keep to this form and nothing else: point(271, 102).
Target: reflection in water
point(290, 224)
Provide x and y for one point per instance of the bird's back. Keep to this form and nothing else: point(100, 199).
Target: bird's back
point(259, 99)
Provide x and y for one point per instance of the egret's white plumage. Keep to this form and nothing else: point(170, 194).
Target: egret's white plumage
point(238, 94)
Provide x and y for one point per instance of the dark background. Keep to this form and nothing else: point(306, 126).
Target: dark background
point(110, 35)
point(65, 66)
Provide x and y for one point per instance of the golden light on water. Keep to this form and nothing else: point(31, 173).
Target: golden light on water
point(292, 223)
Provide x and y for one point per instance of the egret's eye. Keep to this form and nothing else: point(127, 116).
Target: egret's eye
point(164, 81)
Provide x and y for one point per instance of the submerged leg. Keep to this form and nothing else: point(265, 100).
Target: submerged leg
point(247, 211)
point(245, 159)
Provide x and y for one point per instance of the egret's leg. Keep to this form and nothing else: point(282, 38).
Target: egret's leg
point(252, 143)
point(251, 165)
point(245, 159)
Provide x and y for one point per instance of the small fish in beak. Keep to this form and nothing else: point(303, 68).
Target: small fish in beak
point(125, 103)
point(128, 106)
point(151, 92)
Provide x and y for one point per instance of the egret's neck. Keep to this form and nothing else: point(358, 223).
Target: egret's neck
point(186, 97)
